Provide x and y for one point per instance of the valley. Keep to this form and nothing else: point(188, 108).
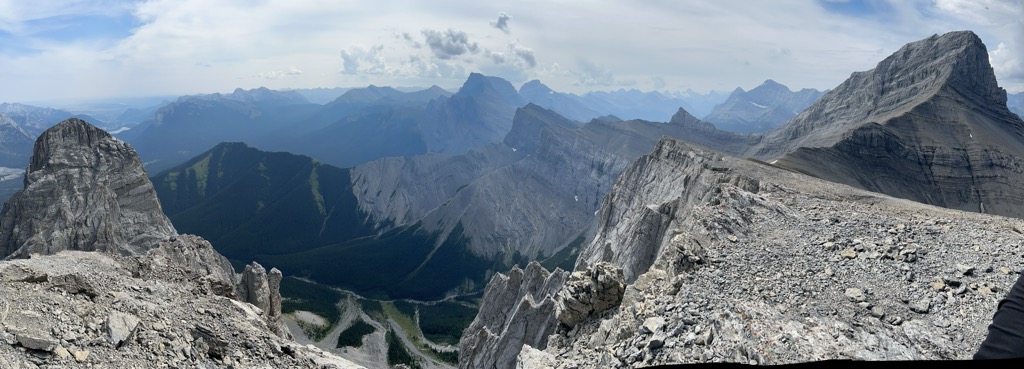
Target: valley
point(360, 329)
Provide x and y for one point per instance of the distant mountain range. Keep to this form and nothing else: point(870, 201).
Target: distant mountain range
point(445, 218)
point(1016, 103)
point(761, 109)
point(193, 124)
point(20, 124)
point(365, 124)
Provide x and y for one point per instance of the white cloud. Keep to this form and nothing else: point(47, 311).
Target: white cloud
point(517, 55)
point(527, 57)
point(275, 74)
point(359, 60)
point(200, 46)
point(590, 74)
point(1007, 62)
point(449, 44)
point(983, 12)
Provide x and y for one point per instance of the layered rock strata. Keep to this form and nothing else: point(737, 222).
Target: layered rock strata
point(930, 123)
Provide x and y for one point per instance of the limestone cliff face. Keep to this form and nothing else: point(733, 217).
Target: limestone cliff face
point(648, 200)
point(549, 173)
point(929, 124)
point(84, 190)
point(522, 311)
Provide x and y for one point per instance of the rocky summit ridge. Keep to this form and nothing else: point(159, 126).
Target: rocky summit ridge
point(929, 123)
point(732, 260)
point(94, 273)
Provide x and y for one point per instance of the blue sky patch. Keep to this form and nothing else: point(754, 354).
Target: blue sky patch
point(78, 28)
point(857, 8)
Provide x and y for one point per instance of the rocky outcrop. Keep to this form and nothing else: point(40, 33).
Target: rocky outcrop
point(84, 190)
point(637, 218)
point(262, 289)
point(516, 309)
point(108, 318)
point(588, 293)
point(929, 123)
point(761, 265)
point(197, 261)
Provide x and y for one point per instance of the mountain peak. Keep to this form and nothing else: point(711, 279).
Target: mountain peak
point(682, 116)
point(62, 144)
point(955, 63)
point(929, 121)
point(478, 83)
point(84, 190)
point(772, 85)
point(534, 87)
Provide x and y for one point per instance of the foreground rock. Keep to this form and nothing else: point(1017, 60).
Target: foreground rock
point(522, 311)
point(124, 319)
point(754, 273)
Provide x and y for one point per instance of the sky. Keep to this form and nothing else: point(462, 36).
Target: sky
point(86, 49)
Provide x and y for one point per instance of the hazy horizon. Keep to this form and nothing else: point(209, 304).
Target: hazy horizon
point(94, 49)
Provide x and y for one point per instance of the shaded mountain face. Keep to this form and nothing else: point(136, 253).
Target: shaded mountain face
point(761, 109)
point(250, 202)
point(359, 126)
point(929, 124)
point(15, 143)
point(377, 122)
point(479, 113)
point(321, 95)
point(301, 216)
